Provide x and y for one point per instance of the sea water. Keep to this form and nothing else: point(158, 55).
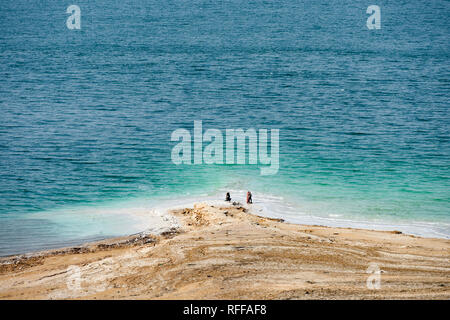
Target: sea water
point(87, 115)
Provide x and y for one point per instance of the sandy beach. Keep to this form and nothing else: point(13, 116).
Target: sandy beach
point(224, 252)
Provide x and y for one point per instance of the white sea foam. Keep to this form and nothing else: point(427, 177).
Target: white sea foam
point(109, 220)
point(277, 207)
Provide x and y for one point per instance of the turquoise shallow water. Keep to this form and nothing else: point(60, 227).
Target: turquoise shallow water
point(86, 116)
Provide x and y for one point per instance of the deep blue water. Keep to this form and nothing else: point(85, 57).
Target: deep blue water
point(86, 115)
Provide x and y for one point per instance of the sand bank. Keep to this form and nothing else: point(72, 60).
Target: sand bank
point(224, 252)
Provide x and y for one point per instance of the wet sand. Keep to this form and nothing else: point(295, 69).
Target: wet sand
point(222, 252)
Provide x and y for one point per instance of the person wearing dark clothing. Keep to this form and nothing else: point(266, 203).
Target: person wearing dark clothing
point(249, 197)
point(228, 197)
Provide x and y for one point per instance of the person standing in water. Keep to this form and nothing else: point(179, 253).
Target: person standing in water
point(249, 197)
point(228, 197)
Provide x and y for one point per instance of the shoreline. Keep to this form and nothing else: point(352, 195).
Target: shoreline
point(250, 247)
point(118, 240)
point(91, 246)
